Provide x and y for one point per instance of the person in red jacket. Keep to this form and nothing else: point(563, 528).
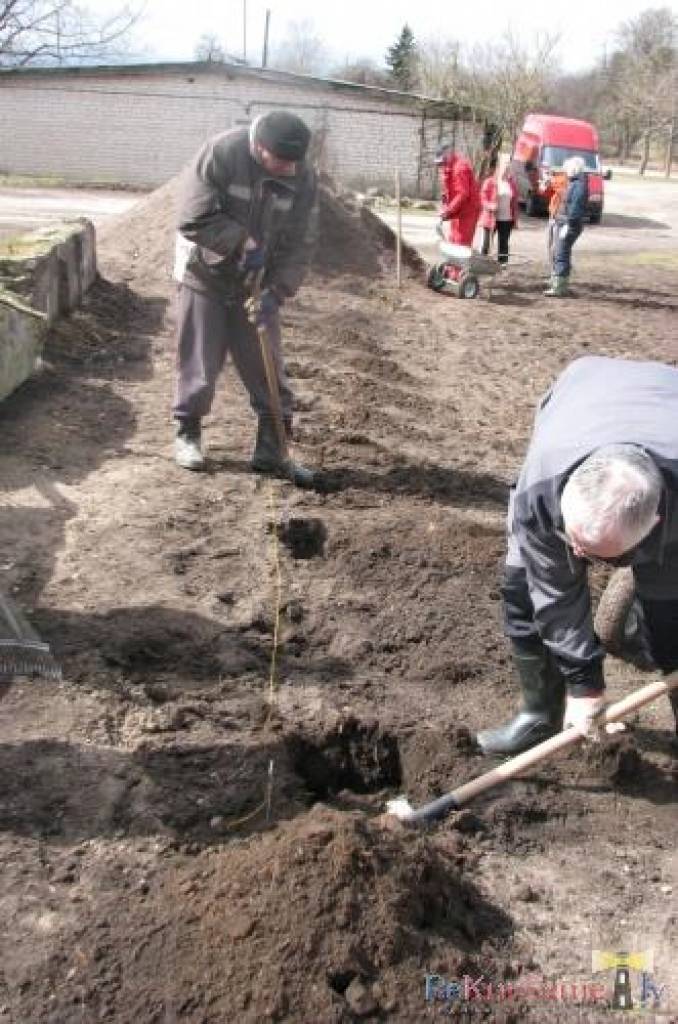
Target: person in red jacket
point(499, 201)
point(460, 197)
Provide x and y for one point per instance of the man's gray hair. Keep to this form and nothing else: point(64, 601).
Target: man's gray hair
point(615, 491)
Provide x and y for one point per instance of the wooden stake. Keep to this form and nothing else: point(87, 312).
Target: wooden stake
point(399, 232)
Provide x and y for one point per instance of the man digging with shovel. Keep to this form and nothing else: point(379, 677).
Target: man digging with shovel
point(245, 238)
point(599, 483)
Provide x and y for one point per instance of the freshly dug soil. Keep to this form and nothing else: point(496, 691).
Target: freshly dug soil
point(191, 822)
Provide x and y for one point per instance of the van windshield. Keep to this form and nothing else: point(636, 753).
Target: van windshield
point(555, 156)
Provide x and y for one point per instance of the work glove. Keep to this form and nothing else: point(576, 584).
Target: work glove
point(269, 304)
point(253, 256)
point(263, 310)
point(585, 714)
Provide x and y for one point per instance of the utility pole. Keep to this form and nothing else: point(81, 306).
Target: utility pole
point(264, 57)
point(58, 35)
point(244, 31)
point(672, 122)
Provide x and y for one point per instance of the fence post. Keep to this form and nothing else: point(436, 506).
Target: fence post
point(399, 231)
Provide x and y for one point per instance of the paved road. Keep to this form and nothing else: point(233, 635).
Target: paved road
point(639, 215)
point(22, 209)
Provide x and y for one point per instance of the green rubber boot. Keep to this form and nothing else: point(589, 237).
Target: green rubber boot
point(558, 287)
point(543, 708)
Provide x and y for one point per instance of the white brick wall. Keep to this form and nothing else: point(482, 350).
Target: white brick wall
point(140, 126)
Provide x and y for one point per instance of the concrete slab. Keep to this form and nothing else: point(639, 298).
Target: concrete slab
point(43, 275)
point(22, 333)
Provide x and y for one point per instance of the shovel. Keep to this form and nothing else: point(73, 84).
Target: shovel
point(252, 307)
point(457, 798)
point(22, 652)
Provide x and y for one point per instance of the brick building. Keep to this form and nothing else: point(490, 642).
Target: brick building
point(139, 124)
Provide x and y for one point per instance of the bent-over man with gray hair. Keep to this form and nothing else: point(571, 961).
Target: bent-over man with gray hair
point(599, 483)
point(246, 229)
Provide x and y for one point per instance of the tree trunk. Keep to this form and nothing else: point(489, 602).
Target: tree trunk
point(627, 143)
point(619, 146)
point(669, 150)
point(646, 153)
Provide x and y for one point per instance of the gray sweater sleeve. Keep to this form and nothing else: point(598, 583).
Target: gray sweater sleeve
point(203, 218)
point(559, 590)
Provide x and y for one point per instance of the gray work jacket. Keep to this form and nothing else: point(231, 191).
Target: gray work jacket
point(596, 401)
point(228, 197)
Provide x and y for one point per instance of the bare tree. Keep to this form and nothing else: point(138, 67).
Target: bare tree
point(643, 80)
point(438, 68)
point(60, 32)
point(362, 71)
point(302, 51)
point(210, 49)
point(509, 78)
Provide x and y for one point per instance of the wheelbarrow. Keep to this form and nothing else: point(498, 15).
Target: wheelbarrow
point(459, 271)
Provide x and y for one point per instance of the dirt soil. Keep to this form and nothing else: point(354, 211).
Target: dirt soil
point(190, 824)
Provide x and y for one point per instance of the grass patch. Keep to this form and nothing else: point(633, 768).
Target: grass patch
point(651, 259)
point(658, 259)
point(633, 178)
point(44, 181)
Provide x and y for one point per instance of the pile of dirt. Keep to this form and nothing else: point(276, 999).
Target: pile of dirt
point(329, 917)
point(139, 244)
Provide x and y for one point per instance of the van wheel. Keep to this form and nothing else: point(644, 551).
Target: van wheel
point(595, 218)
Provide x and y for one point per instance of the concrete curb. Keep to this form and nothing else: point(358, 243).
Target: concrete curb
point(44, 274)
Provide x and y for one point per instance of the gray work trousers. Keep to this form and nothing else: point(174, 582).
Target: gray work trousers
point(208, 329)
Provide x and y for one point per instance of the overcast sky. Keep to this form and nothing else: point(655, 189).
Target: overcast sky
point(170, 29)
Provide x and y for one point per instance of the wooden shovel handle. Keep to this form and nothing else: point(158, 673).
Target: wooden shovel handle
point(567, 738)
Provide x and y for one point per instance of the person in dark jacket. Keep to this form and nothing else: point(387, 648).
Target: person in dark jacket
point(569, 224)
point(247, 216)
point(599, 483)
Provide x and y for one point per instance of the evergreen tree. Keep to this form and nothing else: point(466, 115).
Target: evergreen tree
point(401, 58)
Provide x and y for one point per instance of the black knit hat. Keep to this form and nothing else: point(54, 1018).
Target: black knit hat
point(283, 134)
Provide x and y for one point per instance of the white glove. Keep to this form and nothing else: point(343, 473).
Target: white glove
point(585, 714)
point(563, 232)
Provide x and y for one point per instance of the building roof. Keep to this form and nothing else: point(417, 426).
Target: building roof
point(443, 107)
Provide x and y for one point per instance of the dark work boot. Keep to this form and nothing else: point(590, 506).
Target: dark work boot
point(673, 697)
point(543, 705)
point(187, 450)
point(267, 457)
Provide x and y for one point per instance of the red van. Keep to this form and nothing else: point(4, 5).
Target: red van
point(544, 143)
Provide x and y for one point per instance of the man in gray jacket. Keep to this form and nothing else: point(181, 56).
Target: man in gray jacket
point(246, 227)
point(599, 483)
